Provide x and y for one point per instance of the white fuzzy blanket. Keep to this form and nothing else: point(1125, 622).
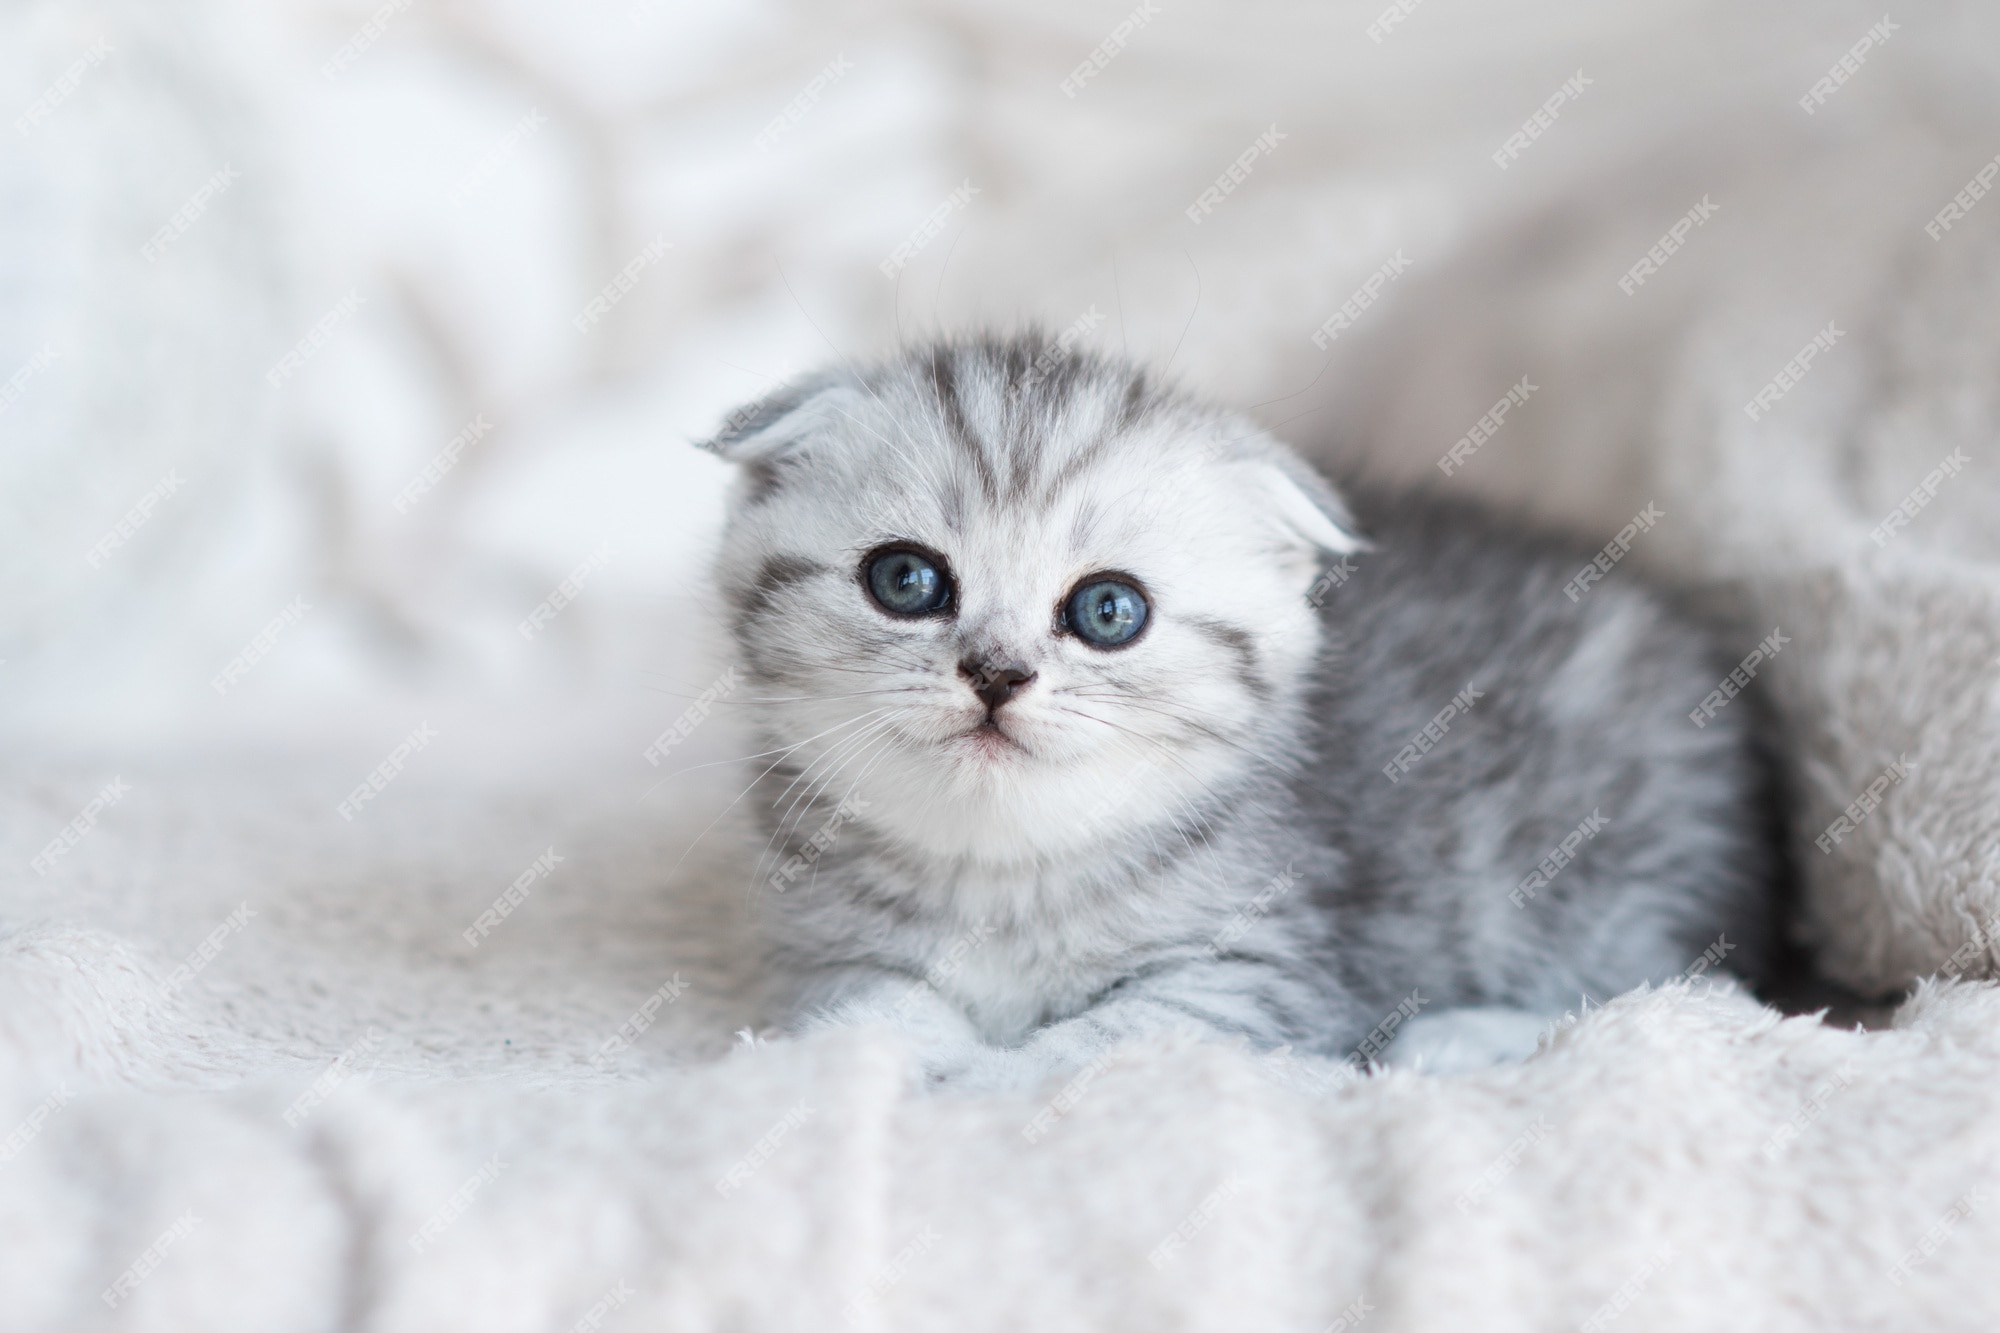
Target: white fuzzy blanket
point(358, 1121)
point(253, 1073)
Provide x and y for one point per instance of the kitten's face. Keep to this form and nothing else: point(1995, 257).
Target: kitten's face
point(1017, 622)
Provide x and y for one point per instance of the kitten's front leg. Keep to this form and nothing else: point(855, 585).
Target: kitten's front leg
point(947, 1043)
point(1219, 999)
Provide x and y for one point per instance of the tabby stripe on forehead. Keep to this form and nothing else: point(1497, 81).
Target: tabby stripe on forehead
point(1079, 463)
point(1132, 408)
point(1238, 641)
point(1021, 426)
point(957, 429)
point(951, 506)
point(1082, 523)
point(1017, 358)
point(1135, 404)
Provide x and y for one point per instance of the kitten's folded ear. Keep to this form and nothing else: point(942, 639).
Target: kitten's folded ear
point(779, 421)
point(1308, 506)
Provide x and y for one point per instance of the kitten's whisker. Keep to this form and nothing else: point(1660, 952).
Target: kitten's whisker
point(885, 742)
point(847, 745)
point(1192, 312)
point(907, 452)
point(1176, 713)
point(886, 718)
point(785, 823)
point(781, 751)
point(926, 669)
point(1173, 714)
point(785, 699)
point(821, 698)
point(1106, 690)
point(873, 759)
point(831, 752)
point(789, 822)
point(674, 869)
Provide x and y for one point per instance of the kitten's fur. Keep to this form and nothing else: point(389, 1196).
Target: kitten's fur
point(1077, 883)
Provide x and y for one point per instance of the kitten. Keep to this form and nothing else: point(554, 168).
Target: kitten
point(1096, 712)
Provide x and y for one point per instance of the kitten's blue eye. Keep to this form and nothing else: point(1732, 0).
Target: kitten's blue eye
point(1105, 613)
point(907, 582)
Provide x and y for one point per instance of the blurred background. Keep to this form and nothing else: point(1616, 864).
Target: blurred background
point(262, 265)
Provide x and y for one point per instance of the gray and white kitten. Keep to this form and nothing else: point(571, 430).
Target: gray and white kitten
point(1091, 711)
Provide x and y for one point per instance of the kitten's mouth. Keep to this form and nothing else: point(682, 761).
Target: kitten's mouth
point(988, 738)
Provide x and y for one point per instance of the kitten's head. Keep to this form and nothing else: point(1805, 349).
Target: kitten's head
point(1018, 609)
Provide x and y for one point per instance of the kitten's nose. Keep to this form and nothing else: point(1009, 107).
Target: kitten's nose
point(994, 682)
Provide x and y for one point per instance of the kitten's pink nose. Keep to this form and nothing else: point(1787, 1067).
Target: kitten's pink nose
point(994, 682)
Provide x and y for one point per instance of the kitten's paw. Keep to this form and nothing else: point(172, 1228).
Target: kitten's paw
point(1458, 1041)
point(979, 1069)
point(1315, 1076)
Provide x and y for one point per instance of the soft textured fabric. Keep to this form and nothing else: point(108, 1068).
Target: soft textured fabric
point(1719, 1166)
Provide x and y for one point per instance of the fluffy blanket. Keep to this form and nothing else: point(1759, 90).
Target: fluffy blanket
point(461, 1055)
point(347, 1116)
